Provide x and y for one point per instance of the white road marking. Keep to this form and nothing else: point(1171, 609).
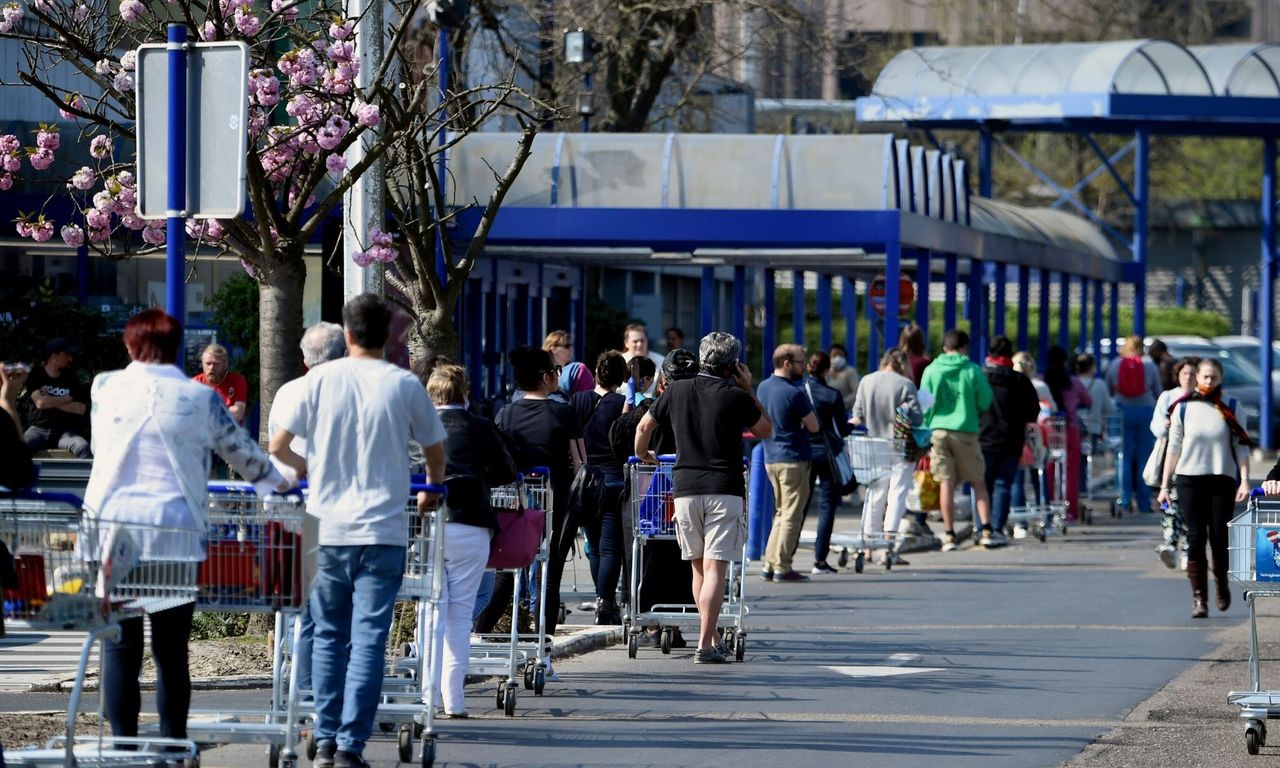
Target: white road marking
point(858, 670)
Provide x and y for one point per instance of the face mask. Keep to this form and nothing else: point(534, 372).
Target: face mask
point(1085, 378)
point(838, 362)
point(1203, 389)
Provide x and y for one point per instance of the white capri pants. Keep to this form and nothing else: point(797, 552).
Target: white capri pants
point(887, 493)
point(466, 551)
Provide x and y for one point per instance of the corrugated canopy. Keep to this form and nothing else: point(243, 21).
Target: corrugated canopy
point(1246, 69)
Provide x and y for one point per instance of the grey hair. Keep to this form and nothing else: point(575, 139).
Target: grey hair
point(718, 349)
point(321, 343)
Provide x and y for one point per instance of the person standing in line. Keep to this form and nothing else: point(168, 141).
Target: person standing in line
point(1071, 396)
point(674, 339)
point(1208, 459)
point(475, 461)
point(825, 445)
point(1094, 418)
point(357, 414)
point(231, 386)
point(961, 393)
point(1159, 355)
point(1135, 384)
point(597, 411)
point(707, 415)
point(60, 403)
point(1014, 405)
point(881, 397)
point(843, 376)
point(787, 459)
point(321, 343)
point(574, 377)
point(1184, 372)
point(1033, 457)
point(635, 343)
point(913, 344)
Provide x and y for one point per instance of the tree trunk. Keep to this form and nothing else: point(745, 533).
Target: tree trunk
point(433, 333)
point(279, 328)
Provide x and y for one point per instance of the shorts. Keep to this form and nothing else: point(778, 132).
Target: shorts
point(711, 527)
point(956, 456)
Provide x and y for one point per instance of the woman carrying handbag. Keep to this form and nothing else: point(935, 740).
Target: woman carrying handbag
point(831, 468)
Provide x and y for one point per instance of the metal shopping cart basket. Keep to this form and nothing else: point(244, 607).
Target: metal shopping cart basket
point(1254, 547)
point(1050, 514)
point(520, 654)
point(873, 460)
point(653, 519)
point(1115, 444)
point(79, 572)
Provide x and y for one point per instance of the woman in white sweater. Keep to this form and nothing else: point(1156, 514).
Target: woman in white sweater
point(1208, 455)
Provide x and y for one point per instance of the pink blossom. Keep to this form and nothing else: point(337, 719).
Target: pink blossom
point(9, 143)
point(84, 178)
point(23, 227)
point(129, 61)
point(73, 235)
point(100, 147)
point(195, 228)
point(104, 200)
point(301, 67)
point(105, 67)
point(123, 82)
point(132, 221)
point(257, 122)
point(248, 24)
point(132, 10)
point(48, 139)
point(153, 235)
point(208, 32)
point(42, 230)
point(330, 136)
point(369, 115)
point(6, 182)
point(335, 163)
point(250, 269)
point(265, 87)
point(361, 258)
point(288, 9)
point(40, 159)
point(11, 163)
point(125, 178)
point(81, 13)
point(213, 228)
point(342, 50)
point(99, 235)
point(342, 31)
point(10, 16)
point(75, 102)
point(97, 218)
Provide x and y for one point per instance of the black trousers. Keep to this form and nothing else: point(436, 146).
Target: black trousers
point(1207, 503)
point(122, 663)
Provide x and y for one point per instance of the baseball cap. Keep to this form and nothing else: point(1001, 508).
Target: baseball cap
point(59, 344)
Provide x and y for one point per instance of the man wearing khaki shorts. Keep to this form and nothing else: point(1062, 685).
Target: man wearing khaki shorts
point(960, 394)
point(707, 415)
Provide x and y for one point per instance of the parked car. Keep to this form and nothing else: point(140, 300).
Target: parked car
point(1241, 379)
point(1250, 348)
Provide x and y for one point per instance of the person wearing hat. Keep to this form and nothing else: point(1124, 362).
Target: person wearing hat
point(60, 402)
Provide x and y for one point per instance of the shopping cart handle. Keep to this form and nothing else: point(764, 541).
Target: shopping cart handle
point(34, 495)
point(1255, 493)
point(243, 486)
point(667, 457)
point(427, 488)
point(536, 471)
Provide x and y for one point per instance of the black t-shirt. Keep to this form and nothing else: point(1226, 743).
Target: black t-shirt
point(56, 419)
point(707, 415)
point(596, 420)
point(538, 433)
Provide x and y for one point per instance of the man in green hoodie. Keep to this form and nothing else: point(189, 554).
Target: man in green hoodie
point(960, 394)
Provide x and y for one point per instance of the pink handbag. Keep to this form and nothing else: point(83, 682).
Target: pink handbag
point(518, 538)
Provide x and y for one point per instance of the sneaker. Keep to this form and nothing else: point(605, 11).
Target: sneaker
point(723, 650)
point(1166, 554)
point(949, 542)
point(709, 656)
point(1021, 532)
point(460, 714)
point(988, 540)
point(766, 574)
point(899, 559)
point(651, 638)
point(345, 759)
point(324, 754)
point(791, 576)
point(822, 568)
point(999, 539)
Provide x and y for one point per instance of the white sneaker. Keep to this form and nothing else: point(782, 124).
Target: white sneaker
point(949, 543)
point(1167, 556)
point(1021, 532)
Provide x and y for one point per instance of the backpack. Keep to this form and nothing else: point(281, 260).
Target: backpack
point(1131, 377)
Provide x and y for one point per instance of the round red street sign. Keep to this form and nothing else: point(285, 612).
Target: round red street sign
point(906, 295)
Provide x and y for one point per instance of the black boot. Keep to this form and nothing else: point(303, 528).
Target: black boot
point(1198, 573)
point(607, 612)
point(1223, 585)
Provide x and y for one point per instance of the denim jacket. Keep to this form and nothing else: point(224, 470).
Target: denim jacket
point(192, 421)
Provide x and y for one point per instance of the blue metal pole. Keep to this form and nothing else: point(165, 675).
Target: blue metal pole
point(892, 278)
point(923, 266)
point(873, 331)
point(1266, 301)
point(769, 334)
point(1064, 310)
point(824, 311)
point(797, 307)
point(998, 319)
point(849, 308)
point(950, 279)
point(578, 307)
point(985, 158)
point(1113, 323)
point(1097, 322)
point(1042, 347)
point(586, 118)
point(1024, 306)
point(1180, 290)
point(1083, 341)
point(176, 200)
point(1141, 192)
point(708, 314)
point(740, 307)
point(977, 301)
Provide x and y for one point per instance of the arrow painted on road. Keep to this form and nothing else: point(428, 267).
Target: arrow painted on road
point(895, 665)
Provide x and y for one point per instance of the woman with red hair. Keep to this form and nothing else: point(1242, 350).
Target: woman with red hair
point(154, 431)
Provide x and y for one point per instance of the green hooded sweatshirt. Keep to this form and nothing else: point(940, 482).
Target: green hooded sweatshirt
point(960, 393)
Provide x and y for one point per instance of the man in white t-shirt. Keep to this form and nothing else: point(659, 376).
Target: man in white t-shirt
point(635, 343)
point(358, 415)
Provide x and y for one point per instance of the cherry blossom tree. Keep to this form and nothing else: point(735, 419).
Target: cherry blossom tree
point(305, 113)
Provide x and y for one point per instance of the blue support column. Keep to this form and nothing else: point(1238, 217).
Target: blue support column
point(769, 336)
point(527, 303)
point(997, 314)
point(1266, 301)
point(1141, 191)
point(873, 331)
point(1042, 346)
point(892, 278)
point(797, 307)
point(1083, 341)
point(1064, 311)
point(985, 158)
point(977, 302)
point(176, 198)
point(740, 307)
point(950, 280)
point(849, 308)
point(923, 265)
point(824, 311)
point(1024, 307)
point(1113, 323)
point(708, 313)
point(1097, 322)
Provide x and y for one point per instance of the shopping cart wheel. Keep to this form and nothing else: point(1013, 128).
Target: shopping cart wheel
point(666, 642)
point(428, 752)
point(844, 557)
point(273, 756)
point(528, 674)
point(311, 745)
point(501, 690)
point(1115, 508)
point(1252, 738)
point(386, 727)
point(405, 743)
point(859, 562)
point(562, 614)
point(633, 645)
point(1041, 535)
point(539, 681)
point(509, 701)
point(888, 560)
point(740, 647)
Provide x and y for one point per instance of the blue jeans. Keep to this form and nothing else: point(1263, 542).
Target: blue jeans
point(1001, 476)
point(604, 539)
point(483, 595)
point(828, 497)
point(1138, 444)
point(302, 653)
point(352, 603)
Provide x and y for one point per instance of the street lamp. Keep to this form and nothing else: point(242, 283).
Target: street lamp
point(580, 48)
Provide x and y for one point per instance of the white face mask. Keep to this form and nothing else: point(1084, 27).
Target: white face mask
point(838, 362)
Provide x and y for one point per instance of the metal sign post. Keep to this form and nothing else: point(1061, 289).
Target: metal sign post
point(176, 197)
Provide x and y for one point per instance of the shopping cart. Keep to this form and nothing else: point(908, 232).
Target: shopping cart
point(653, 519)
point(1055, 443)
point(873, 459)
point(520, 654)
point(83, 573)
point(1254, 548)
point(1115, 444)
